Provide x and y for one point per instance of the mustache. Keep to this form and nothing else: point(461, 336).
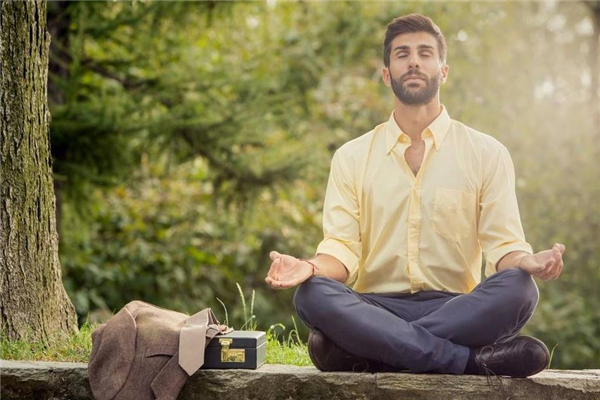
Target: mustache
point(413, 75)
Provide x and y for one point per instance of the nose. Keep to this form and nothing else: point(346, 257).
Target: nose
point(413, 61)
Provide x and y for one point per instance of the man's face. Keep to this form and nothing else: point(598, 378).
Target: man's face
point(415, 73)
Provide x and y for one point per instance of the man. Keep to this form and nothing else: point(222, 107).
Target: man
point(409, 208)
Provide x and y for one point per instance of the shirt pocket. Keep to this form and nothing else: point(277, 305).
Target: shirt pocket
point(453, 213)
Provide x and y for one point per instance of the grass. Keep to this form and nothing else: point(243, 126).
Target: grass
point(551, 355)
point(281, 349)
point(75, 348)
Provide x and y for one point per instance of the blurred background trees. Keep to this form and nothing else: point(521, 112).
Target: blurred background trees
point(190, 139)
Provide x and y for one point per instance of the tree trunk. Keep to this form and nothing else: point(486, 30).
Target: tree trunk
point(34, 303)
point(58, 21)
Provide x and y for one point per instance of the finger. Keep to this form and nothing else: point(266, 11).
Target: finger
point(556, 259)
point(274, 254)
point(547, 266)
point(276, 268)
point(543, 268)
point(549, 274)
point(270, 282)
point(273, 283)
point(545, 277)
point(559, 247)
point(560, 267)
point(291, 283)
point(540, 268)
point(273, 269)
point(542, 273)
point(554, 270)
point(555, 251)
point(535, 270)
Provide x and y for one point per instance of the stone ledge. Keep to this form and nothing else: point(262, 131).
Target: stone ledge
point(59, 380)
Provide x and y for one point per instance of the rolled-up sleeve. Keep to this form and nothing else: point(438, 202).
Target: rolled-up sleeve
point(341, 231)
point(500, 231)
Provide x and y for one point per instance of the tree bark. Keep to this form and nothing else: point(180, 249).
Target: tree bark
point(34, 303)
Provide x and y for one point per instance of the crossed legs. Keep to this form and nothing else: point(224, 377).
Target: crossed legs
point(430, 336)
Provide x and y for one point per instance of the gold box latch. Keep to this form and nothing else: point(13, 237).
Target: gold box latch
point(231, 355)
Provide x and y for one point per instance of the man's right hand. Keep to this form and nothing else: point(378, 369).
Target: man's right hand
point(287, 271)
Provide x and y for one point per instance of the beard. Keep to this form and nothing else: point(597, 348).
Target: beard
point(413, 95)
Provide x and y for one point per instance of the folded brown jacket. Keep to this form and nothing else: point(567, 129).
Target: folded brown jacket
point(148, 352)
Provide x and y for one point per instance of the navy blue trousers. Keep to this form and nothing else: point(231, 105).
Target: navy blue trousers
point(428, 331)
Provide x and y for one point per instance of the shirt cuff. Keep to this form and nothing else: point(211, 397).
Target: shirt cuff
point(341, 251)
point(495, 255)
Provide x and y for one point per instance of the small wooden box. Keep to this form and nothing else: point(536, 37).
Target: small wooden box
point(237, 349)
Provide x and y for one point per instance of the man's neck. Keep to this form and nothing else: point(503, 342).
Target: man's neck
point(412, 120)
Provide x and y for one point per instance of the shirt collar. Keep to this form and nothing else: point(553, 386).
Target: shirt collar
point(438, 127)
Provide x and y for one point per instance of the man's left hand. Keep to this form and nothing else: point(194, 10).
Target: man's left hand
point(545, 265)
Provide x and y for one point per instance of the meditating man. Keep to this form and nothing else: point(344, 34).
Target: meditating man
point(409, 208)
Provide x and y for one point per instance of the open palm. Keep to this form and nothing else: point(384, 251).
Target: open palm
point(286, 271)
point(546, 265)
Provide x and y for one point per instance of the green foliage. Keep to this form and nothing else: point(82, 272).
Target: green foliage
point(291, 351)
point(78, 347)
point(75, 348)
point(118, 96)
point(216, 140)
point(564, 320)
point(166, 242)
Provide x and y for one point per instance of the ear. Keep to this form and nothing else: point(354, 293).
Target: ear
point(445, 70)
point(385, 75)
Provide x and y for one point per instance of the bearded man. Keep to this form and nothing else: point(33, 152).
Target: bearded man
point(409, 209)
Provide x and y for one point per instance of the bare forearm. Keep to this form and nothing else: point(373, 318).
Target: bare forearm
point(330, 267)
point(510, 260)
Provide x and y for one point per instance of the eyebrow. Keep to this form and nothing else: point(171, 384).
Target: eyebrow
point(421, 46)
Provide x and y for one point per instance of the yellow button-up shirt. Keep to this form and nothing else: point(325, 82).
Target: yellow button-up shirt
point(397, 232)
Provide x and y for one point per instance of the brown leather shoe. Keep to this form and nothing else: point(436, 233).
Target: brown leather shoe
point(521, 357)
point(327, 356)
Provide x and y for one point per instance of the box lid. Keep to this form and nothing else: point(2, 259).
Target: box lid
point(241, 339)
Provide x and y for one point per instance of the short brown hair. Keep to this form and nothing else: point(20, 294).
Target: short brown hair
point(408, 24)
